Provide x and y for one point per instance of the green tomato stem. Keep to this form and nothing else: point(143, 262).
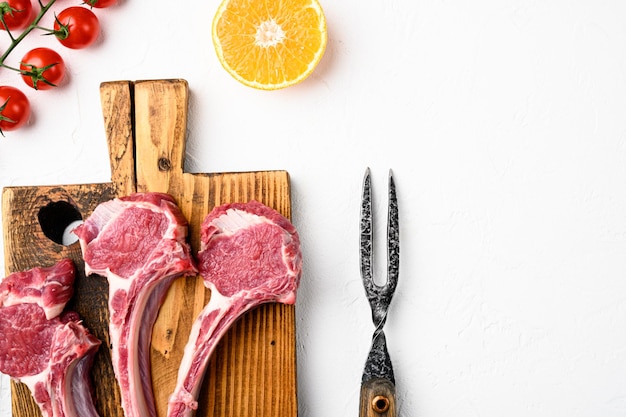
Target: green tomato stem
point(3, 7)
point(30, 28)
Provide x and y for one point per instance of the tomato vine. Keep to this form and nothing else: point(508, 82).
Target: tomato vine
point(75, 27)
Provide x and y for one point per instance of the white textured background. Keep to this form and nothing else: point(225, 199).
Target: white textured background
point(505, 124)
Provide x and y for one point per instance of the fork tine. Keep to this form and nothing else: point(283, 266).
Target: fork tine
point(393, 238)
point(366, 230)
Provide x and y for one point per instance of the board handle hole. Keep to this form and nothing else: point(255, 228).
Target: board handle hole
point(57, 220)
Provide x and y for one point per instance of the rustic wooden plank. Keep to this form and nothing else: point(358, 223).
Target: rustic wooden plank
point(116, 99)
point(160, 133)
point(253, 371)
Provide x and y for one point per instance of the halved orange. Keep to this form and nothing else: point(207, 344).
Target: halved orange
point(269, 44)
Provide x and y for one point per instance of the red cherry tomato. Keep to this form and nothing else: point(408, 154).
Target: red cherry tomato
point(100, 4)
point(14, 108)
point(42, 68)
point(76, 27)
point(16, 14)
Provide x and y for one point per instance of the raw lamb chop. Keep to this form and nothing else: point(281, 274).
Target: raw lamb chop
point(139, 244)
point(249, 255)
point(50, 352)
point(50, 288)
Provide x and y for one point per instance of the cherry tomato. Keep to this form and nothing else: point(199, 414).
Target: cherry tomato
point(14, 108)
point(16, 14)
point(42, 68)
point(76, 27)
point(100, 4)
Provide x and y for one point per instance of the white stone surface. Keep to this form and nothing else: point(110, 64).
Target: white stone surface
point(505, 124)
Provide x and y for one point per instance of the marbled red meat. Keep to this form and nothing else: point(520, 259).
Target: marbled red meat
point(50, 288)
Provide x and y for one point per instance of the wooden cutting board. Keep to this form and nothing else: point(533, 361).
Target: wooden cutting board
point(253, 370)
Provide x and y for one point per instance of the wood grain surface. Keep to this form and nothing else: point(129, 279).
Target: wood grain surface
point(253, 370)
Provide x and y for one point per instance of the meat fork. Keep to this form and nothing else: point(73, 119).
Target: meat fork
point(378, 391)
